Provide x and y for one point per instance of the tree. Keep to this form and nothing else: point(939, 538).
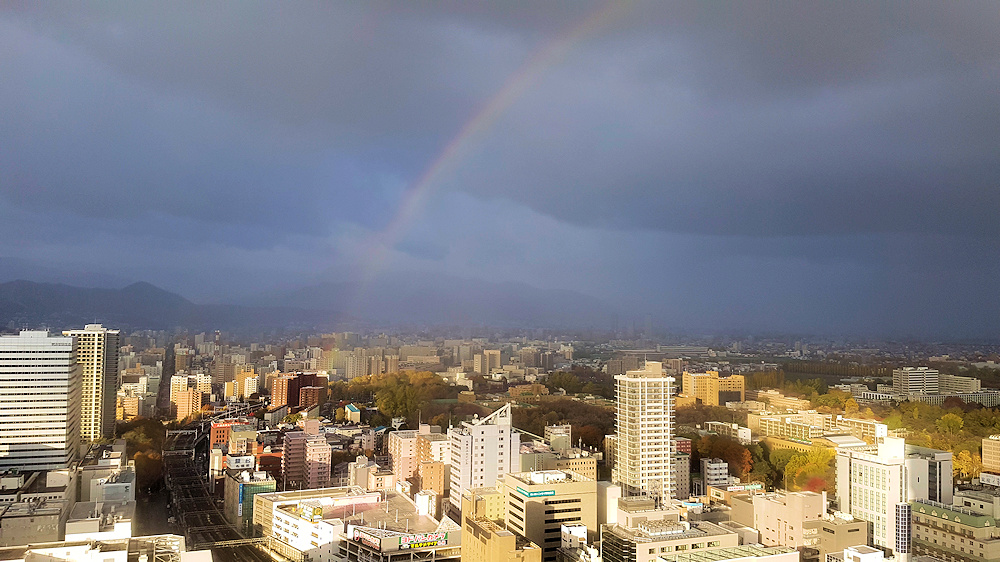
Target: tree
point(851, 407)
point(967, 465)
point(291, 419)
point(950, 423)
point(341, 414)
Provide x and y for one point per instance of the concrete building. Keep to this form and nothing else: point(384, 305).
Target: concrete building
point(310, 396)
point(538, 503)
point(711, 389)
point(97, 355)
point(915, 380)
point(305, 462)
point(781, 517)
point(403, 449)
point(991, 454)
point(644, 427)
point(100, 521)
point(239, 490)
point(648, 538)
point(745, 553)
point(929, 474)
point(285, 391)
point(833, 533)
point(40, 391)
point(33, 521)
point(484, 538)
point(733, 431)
point(715, 473)
point(681, 467)
point(952, 533)
point(189, 402)
point(433, 447)
point(482, 451)
point(873, 487)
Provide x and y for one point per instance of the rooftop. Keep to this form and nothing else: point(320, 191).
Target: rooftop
point(727, 553)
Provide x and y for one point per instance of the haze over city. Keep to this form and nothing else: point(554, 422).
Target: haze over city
point(826, 168)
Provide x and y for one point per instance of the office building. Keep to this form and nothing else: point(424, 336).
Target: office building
point(645, 426)
point(40, 393)
point(781, 517)
point(240, 488)
point(285, 391)
point(711, 389)
point(97, 356)
point(484, 536)
point(482, 451)
point(876, 487)
point(991, 454)
point(643, 533)
point(915, 380)
point(539, 503)
point(929, 474)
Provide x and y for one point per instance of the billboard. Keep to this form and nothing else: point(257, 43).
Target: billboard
point(423, 540)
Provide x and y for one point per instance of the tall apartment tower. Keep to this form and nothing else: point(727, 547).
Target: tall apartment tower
point(97, 355)
point(482, 451)
point(645, 429)
point(39, 402)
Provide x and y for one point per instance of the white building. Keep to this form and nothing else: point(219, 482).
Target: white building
point(645, 428)
point(39, 402)
point(915, 380)
point(97, 355)
point(876, 488)
point(481, 452)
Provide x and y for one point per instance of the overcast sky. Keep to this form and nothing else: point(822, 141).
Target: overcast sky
point(825, 166)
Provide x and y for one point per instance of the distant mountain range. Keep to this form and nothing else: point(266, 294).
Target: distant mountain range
point(138, 306)
point(422, 300)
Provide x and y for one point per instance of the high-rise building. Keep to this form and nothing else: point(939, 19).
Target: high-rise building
point(872, 486)
point(40, 396)
point(482, 451)
point(915, 380)
point(97, 355)
point(645, 429)
point(305, 462)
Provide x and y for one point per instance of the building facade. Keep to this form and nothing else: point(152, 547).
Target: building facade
point(482, 451)
point(644, 425)
point(40, 387)
point(97, 355)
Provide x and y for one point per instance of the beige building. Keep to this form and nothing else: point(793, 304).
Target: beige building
point(780, 517)
point(643, 533)
point(713, 390)
point(953, 533)
point(538, 503)
point(484, 539)
point(97, 356)
point(189, 402)
point(991, 454)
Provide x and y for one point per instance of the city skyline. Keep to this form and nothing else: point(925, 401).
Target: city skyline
point(823, 169)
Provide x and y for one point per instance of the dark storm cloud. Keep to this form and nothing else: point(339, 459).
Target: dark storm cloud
point(847, 145)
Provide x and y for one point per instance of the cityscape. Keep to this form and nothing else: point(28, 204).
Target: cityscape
point(596, 281)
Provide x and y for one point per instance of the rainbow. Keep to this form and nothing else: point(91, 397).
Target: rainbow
point(416, 195)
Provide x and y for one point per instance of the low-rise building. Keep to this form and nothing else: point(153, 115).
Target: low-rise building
point(240, 488)
point(952, 533)
point(100, 521)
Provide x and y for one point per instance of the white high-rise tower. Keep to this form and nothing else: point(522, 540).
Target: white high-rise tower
point(645, 432)
point(39, 402)
point(97, 355)
point(482, 451)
